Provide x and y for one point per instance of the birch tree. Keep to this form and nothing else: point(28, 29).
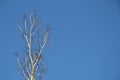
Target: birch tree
point(36, 38)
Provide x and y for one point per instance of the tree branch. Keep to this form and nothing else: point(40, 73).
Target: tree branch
point(23, 72)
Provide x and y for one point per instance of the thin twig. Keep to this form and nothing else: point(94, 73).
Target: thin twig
point(23, 72)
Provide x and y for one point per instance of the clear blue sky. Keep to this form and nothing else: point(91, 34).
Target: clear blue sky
point(84, 43)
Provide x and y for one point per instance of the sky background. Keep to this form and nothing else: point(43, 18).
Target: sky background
point(84, 43)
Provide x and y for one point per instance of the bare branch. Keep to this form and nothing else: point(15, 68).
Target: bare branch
point(20, 28)
point(35, 30)
point(37, 58)
point(45, 41)
point(25, 24)
point(36, 41)
point(23, 72)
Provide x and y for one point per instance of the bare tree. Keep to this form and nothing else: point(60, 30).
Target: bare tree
point(36, 39)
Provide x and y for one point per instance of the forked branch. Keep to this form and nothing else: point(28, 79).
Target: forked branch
point(32, 61)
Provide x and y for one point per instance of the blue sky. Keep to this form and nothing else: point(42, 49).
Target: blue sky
point(84, 42)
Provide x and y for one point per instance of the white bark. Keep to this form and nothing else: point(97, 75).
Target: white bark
point(32, 59)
